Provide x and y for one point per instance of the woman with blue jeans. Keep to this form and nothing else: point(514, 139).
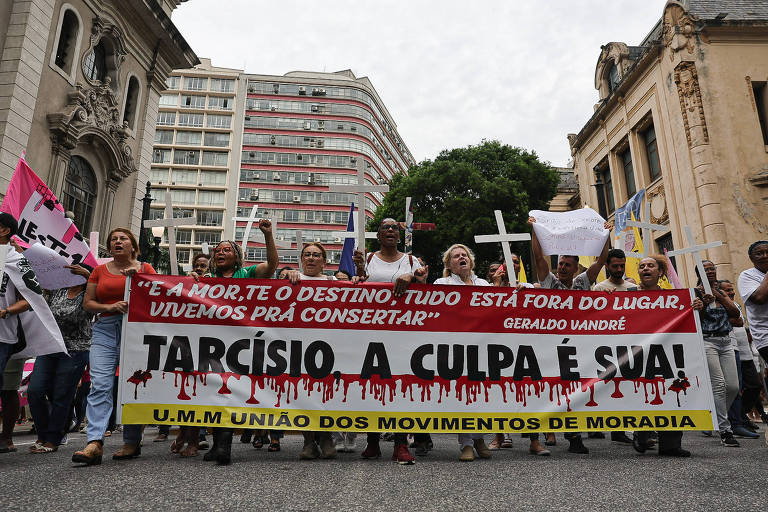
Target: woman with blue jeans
point(716, 326)
point(104, 296)
point(53, 382)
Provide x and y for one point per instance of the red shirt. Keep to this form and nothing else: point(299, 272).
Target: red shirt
point(110, 288)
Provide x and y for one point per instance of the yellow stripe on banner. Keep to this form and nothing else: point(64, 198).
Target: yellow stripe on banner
point(362, 421)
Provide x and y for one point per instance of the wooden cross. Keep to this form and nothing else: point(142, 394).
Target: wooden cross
point(504, 238)
point(647, 228)
point(361, 188)
point(253, 217)
point(409, 226)
point(170, 223)
point(696, 250)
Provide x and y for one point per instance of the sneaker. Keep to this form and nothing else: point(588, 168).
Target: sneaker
point(467, 454)
point(751, 425)
point(577, 446)
point(349, 444)
point(743, 433)
point(402, 456)
point(64, 440)
point(482, 450)
point(728, 440)
point(203, 445)
point(372, 451)
point(310, 451)
point(621, 437)
point(507, 442)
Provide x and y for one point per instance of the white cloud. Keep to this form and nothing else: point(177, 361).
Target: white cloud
point(451, 73)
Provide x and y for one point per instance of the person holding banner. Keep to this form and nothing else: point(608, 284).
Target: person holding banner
point(716, 328)
point(227, 262)
point(105, 296)
point(651, 270)
point(567, 266)
point(318, 444)
point(388, 265)
point(53, 382)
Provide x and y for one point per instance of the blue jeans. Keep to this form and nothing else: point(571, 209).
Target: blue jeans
point(5, 354)
point(734, 411)
point(104, 358)
point(51, 389)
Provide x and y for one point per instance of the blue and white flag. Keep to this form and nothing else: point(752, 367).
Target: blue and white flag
point(347, 264)
point(624, 213)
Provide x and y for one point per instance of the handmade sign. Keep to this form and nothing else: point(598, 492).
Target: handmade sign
point(41, 217)
point(578, 232)
point(49, 268)
point(333, 356)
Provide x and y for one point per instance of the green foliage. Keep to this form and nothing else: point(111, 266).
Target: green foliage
point(459, 191)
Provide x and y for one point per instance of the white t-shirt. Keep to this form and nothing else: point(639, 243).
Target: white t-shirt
point(757, 314)
point(580, 282)
point(321, 277)
point(9, 296)
point(608, 285)
point(380, 271)
point(454, 279)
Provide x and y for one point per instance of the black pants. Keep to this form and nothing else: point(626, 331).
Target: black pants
point(751, 386)
point(668, 439)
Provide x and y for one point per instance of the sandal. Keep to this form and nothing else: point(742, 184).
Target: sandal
point(258, 442)
point(177, 445)
point(36, 446)
point(189, 451)
point(274, 446)
point(494, 445)
point(45, 449)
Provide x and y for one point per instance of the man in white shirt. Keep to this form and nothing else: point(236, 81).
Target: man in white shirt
point(615, 264)
point(753, 288)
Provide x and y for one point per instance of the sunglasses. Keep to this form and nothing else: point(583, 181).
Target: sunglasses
point(389, 227)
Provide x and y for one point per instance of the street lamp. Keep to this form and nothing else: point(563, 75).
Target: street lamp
point(146, 201)
point(157, 234)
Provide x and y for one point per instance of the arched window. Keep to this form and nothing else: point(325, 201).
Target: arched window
point(95, 63)
point(68, 34)
point(613, 77)
point(80, 192)
point(132, 97)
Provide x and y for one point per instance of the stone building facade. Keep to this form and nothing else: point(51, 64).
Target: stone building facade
point(80, 82)
point(683, 115)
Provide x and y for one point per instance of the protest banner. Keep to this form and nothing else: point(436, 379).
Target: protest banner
point(49, 268)
point(336, 356)
point(578, 232)
point(41, 217)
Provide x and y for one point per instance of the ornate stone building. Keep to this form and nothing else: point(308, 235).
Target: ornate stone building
point(684, 115)
point(80, 82)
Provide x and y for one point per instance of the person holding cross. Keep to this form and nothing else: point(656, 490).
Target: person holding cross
point(227, 262)
point(389, 265)
point(567, 266)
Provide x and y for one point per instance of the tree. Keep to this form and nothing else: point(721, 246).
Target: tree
point(459, 191)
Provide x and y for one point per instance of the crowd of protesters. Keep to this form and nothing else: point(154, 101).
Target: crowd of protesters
point(90, 317)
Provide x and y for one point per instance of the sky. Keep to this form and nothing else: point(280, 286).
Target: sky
point(450, 73)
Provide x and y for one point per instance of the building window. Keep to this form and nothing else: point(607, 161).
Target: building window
point(163, 136)
point(183, 236)
point(182, 197)
point(248, 194)
point(195, 120)
point(217, 103)
point(159, 176)
point(193, 83)
point(80, 192)
point(95, 63)
point(169, 100)
point(182, 177)
point(182, 256)
point(172, 82)
point(652, 152)
point(215, 158)
point(166, 118)
point(161, 156)
point(192, 101)
point(132, 96)
point(761, 102)
point(211, 198)
point(629, 172)
point(222, 84)
point(665, 242)
point(209, 217)
point(291, 215)
point(209, 237)
point(220, 140)
point(216, 121)
point(188, 138)
point(69, 35)
point(184, 157)
point(605, 189)
point(213, 178)
point(613, 78)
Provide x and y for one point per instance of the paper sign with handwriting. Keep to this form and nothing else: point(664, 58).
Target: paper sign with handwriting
point(578, 232)
point(49, 268)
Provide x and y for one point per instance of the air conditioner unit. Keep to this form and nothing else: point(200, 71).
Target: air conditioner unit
point(302, 91)
point(353, 128)
point(273, 108)
point(247, 118)
point(251, 88)
point(276, 88)
point(353, 160)
point(276, 176)
point(307, 125)
point(315, 91)
point(337, 240)
point(298, 156)
point(315, 108)
point(255, 197)
point(272, 140)
point(322, 92)
point(321, 125)
point(257, 176)
point(252, 154)
point(296, 199)
point(320, 143)
point(311, 178)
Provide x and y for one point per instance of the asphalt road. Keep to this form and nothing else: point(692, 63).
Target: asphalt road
point(612, 477)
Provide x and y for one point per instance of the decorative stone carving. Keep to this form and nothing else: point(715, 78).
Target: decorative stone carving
point(658, 201)
point(679, 29)
point(611, 54)
point(691, 106)
point(114, 43)
point(94, 111)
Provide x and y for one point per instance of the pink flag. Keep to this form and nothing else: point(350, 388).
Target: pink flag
point(41, 217)
point(671, 274)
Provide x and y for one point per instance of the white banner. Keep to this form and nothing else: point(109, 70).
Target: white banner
point(578, 232)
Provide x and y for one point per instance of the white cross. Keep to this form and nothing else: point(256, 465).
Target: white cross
point(360, 189)
point(696, 250)
point(353, 234)
point(93, 245)
point(170, 223)
point(299, 246)
point(504, 238)
point(249, 223)
point(647, 228)
point(408, 226)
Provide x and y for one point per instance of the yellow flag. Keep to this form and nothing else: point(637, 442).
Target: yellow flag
point(587, 261)
point(521, 277)
point(632, 263)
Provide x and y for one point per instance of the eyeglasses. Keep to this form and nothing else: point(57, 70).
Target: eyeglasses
point(388, 227)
